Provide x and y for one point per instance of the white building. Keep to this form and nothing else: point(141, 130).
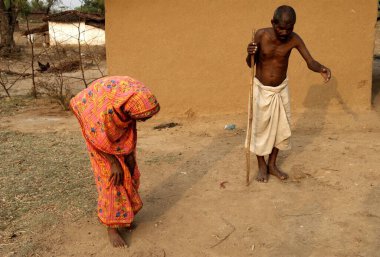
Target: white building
point(70, 26)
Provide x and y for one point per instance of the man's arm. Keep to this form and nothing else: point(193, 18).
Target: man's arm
point(311, 63)
point(248, 60)
point(253, 47)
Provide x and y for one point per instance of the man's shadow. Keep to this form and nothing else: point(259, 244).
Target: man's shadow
point(312, 121)
point(375, 98)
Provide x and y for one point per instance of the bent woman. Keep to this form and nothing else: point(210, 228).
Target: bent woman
point(107, 112)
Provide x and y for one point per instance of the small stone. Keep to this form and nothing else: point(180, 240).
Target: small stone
point(230, 127)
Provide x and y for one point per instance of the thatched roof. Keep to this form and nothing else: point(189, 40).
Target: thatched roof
point(74, 16)
point(37, 15)
point(99, 25)
point(40, 29)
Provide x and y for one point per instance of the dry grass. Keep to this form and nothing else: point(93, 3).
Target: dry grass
point(63, 60)
point(44, 179)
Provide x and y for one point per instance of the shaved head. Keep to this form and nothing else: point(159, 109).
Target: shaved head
point(284, 14)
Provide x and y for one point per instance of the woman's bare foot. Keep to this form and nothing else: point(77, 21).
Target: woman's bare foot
point(273, 170)
point(115, 238)
point(262, 174)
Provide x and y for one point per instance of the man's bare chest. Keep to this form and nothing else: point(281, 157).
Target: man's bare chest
point(274, 51)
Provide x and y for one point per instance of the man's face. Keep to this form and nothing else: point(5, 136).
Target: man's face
point(283, 30)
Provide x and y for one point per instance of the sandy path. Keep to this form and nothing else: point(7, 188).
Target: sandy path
point(329, 206)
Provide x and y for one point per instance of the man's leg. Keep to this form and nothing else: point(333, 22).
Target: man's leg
point(262, 174)
point(272, 165)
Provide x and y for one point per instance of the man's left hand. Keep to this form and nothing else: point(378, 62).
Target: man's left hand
point(326, 74)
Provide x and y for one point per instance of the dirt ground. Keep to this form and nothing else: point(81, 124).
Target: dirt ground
point(193, 187)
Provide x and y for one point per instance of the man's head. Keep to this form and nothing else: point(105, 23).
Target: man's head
point(283, 21)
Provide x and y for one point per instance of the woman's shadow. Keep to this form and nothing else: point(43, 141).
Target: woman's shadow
point(166, 194)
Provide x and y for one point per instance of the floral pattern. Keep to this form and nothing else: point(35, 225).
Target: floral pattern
point(107, 111)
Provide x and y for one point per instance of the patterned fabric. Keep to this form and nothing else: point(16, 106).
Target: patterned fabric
point(117, 205)
point(107, 112)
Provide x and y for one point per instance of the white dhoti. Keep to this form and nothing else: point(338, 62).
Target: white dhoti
point(271, 118)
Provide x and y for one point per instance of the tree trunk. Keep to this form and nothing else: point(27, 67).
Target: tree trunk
point(8, 18)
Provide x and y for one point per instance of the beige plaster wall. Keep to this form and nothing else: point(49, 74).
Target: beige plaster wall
point(67, 34)
point(191, 53)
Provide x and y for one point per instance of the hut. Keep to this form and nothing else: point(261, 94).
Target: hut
point(67, 27)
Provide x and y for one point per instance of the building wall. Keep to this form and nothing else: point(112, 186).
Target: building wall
point(94, 36)
point(68, 34)
point(192, 52)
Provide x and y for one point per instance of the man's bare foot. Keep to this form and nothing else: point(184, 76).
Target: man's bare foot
point(262, 174)
point(115, 238)
point(273, 170)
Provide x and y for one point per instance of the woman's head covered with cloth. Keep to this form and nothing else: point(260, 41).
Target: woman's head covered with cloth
point(108, 110)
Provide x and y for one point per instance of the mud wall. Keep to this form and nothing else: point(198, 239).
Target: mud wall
point(191, 53)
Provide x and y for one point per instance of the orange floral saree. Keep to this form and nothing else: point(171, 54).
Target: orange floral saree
point(107, 112)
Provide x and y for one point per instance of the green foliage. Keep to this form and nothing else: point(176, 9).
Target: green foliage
point(92, 6)
point(43, 5)
point(7, 4)
point(24, 7)
point(21, 5)
point(38, 5)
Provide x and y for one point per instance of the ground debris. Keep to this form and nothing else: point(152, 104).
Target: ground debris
point(166, 125)
point(229, 126)
point(223, 238)
point(223, 184)
point(65, 66)
point(15, 73)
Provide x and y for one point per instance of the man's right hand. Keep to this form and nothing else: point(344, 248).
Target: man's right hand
point(252, 48)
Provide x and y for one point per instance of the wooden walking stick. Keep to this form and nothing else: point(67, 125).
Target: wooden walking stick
point(250, 115)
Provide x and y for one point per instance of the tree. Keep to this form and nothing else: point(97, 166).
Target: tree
point(92, 6)
point(9, 10)
point(43, 5)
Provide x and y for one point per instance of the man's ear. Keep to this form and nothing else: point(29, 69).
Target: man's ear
point(272, 21)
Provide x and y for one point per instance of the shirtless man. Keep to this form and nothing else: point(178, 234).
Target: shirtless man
point(271, 49)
